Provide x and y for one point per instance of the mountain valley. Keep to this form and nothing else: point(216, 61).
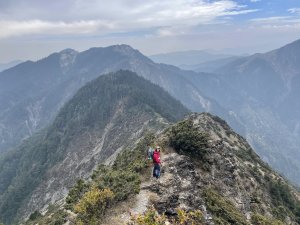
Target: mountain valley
point(64, 117)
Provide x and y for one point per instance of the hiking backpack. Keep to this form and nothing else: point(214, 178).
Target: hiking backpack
point(150, 153)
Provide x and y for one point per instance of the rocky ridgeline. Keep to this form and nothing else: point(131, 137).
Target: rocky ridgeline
point(179, 186)
point(228, 185)
point(231, 173)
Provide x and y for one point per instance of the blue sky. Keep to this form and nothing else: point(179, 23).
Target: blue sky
point(268, 8)
point(32, 29)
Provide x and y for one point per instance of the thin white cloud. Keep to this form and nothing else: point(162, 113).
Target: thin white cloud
point(277, 24)
point(276, 20)
point(255, 1)
point(98, 17)
point(294, 10)
point(165, 32)
point(17, 28)
point(271, 19)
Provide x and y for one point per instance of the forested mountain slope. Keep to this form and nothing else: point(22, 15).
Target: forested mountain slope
point(107, 115)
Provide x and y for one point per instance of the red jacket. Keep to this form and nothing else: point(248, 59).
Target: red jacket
point(156, 157)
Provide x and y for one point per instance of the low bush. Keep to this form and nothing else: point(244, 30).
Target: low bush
point(185, 138)
point(93, 205)
point(76, 193)
point(257, 219)
point(151, 217)
point(223, 210)
point(54, 216)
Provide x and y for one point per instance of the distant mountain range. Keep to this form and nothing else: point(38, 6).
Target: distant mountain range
point(5, 66)
point(268, 90)
point(187, 59)
point(32, 92)
point(257, 95)
point(273, 78)
point(211, 66)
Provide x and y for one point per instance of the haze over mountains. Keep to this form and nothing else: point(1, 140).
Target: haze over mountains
point(193, 59)
point(257, 95)
point(273, 78)
point(32, 93)
point(4, 66)
point(263, 91)
point(211, 66)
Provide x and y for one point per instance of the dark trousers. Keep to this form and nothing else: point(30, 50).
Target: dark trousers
point(156, 170)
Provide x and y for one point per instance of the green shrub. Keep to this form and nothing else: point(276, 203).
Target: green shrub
point(257, 219)
point(191, 217)
point(93, 205)
point(151, 217)
point(283, 200)
point(54, 216)
point(223, 210)
point(76, 193)
point(59, 218)
point(122, 183)
point(185, 138)
point(35, 215)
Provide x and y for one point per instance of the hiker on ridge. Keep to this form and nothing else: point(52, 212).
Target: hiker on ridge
point(156, 162)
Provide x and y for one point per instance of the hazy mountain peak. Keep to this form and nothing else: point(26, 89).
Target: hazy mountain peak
point(285, 61)
point(117, 48)
point(292, 45)
point(67, 58)
point(68, 51)
point(122, 47)
point(287, 54)
point(114, 52)
point(128, 51)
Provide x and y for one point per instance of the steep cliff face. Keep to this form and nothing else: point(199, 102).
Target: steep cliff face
point(106, 116)
point(206, 168)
